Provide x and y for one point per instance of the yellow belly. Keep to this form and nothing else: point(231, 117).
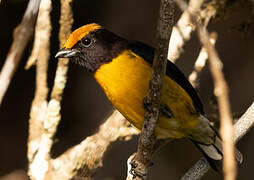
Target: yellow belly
point(125, 81)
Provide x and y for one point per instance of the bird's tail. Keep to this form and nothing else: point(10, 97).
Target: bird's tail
point(213, 153)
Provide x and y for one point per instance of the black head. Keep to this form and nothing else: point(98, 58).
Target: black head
point(92, 47)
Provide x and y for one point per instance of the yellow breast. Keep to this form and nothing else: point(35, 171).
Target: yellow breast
point(125, 80)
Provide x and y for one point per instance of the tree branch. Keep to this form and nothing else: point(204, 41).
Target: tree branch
point(89, 153)
point(141, 161)
point(221, 92)
point(182, 30)
point(21, 36)
point(42, 34)
point(39, 104)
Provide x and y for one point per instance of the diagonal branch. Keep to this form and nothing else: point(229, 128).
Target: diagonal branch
point(141, 161)
point(42, 34)
point(89, 153)
point(182, 30)
point(21, 36)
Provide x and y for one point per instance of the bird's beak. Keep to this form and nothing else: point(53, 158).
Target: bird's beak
point(66, 53)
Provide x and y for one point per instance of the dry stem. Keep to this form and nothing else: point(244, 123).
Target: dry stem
point(42, 34)
point(221, 92)
point(182, 30)
point(21, 36)
point(200, 63)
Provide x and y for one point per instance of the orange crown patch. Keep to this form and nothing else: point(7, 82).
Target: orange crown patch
point(79, 33)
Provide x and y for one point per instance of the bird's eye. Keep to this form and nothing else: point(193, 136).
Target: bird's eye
point(86, 42)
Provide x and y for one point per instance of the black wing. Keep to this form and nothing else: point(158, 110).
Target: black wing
point(147, 53)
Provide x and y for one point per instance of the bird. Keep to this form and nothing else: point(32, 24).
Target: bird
point(123, 70)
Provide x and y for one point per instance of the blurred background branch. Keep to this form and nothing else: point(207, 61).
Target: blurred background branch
point(21, 36)
point(38, 113)
point(88, 155)
point(41, 44)
point(222, 94)
point(15, 175)
point(200, 63)
point(181, 32)
point(41, 57)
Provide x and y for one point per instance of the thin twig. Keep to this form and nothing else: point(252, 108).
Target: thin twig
point(241, 127)
point(89, 153)
point(221, 92)
point(182, 31)
point(184, 27)
point(42, 34)
point(21, 36)
point(200, 63)
point(141, 161)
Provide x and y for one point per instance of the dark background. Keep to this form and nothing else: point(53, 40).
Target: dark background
point(84, 105)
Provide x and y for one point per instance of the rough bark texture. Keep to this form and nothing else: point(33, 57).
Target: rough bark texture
point(141, 161)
